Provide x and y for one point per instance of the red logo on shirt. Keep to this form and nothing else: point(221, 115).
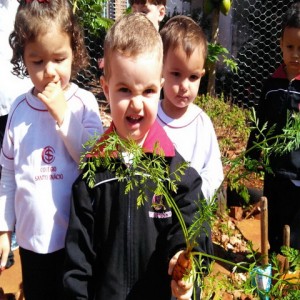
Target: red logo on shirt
point(48, 155)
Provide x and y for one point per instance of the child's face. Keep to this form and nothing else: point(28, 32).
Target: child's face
point(133, 91)
point(290, 47)
point(182, 79)
point(49, 59)
point(155, 13)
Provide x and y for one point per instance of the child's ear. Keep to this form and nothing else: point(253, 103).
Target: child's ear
point(162, 12)
point(104, 85)
point(281, 44)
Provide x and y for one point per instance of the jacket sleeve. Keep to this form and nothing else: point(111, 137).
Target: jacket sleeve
point(80, 256)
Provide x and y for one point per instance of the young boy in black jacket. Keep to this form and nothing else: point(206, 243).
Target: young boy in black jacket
point(281, 94)
point(115, 250)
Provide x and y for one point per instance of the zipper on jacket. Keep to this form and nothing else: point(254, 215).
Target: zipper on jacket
point(290, 85)
point(289, 92)
point(289, 89)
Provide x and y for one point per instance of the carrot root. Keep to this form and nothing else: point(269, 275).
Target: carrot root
point(183, 266)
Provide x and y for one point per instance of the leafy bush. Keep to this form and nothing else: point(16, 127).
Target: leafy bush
point(230, 121)
point(90, 13)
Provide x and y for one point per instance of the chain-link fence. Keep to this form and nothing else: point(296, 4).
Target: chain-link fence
point(254, 33)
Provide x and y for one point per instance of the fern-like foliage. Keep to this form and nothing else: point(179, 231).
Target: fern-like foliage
point(129, 162)
point(293, 256)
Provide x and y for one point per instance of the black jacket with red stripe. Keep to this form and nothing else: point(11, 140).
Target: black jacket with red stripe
point(117, 251)
point(279, 96)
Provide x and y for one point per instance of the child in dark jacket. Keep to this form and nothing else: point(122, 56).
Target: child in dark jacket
point(154, 10)
point(114, 249)
point(281, 94)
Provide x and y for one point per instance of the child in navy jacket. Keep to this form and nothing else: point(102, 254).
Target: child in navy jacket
point(281, 94)
point(114, 249)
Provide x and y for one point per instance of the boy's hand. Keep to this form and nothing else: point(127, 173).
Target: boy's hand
point(53, 97)
point(183, 289)
point(4, 248)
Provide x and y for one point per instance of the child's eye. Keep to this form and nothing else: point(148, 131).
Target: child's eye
point(175, 74)
point(194, 77)
point(37, 62)
point(124, 90)
point(59, 60)
point(149, 91)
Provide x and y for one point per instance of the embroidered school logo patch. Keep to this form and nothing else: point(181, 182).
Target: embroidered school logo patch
point(159, 208)
point(48, 155)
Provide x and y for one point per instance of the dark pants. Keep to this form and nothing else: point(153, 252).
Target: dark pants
point(3, 120)
point(42, 275)
point(283, 209)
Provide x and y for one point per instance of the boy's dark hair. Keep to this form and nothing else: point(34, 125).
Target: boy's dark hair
point(292, 17)
point(183, 31)
point(33, 18)
point(143, 2)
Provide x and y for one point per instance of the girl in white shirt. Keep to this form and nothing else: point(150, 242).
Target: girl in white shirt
point(42, 145)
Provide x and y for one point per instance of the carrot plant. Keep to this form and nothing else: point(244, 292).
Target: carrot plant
point(112, 150)
point(108, 154)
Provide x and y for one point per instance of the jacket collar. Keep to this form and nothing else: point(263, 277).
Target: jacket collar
point(155, 135)
point(281, 73)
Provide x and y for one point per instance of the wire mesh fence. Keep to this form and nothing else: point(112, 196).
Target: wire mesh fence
point(254, 33)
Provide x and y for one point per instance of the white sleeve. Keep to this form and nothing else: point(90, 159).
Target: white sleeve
point(7, 200)
point(212, 171)
point(75, 134)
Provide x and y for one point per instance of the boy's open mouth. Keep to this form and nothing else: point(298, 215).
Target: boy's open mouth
point(134, 120)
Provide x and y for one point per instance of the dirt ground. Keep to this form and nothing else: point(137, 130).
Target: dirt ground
point(11, 280)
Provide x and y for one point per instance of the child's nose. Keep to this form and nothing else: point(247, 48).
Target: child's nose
point(136, 103)
point(49, 70)
point(184, 85)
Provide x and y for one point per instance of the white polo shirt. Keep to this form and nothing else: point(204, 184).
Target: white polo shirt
point(44, 159)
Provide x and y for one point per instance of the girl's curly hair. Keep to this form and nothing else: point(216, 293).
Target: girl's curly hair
point(33, 18)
